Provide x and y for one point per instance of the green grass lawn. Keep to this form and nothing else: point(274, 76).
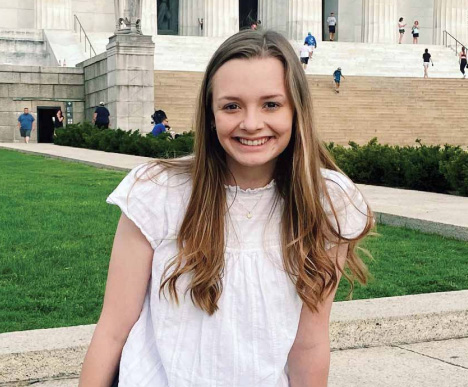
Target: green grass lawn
point(56, 234)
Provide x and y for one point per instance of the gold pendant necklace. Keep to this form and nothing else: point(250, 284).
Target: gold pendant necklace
point(249, 213)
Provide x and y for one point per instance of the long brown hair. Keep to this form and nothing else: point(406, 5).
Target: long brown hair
point(306, 227)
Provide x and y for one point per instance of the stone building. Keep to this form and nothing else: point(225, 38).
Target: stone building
point(368, 21)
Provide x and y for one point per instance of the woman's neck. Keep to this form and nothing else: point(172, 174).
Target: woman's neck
point(250, 177)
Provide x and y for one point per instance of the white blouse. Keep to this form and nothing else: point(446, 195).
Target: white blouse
point(247, 341)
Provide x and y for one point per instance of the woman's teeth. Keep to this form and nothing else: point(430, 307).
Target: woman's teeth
point(253, 142)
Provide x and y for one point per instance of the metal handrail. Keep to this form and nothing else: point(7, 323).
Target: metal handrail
point(92, 51)
point(457, 42)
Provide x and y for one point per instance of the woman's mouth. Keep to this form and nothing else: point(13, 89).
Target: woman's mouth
point(253, 142)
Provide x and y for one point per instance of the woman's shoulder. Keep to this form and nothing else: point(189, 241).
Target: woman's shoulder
point(151, 195)
point(345, 205)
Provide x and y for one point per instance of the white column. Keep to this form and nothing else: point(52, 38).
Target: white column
point(274, 15)
point(221, 17)
point(149, 17)
point(305, 16)
point(379, 21)
point(451, 16)
point(189, 13)
point(54, 14)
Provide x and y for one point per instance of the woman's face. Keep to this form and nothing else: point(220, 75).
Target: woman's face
point(253, 114)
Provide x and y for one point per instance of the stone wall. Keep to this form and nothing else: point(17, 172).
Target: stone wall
point(395, 110)
point(34, 86)
point(95, 83)
point(18, 14)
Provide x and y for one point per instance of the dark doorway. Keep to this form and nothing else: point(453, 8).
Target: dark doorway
point(168, 17)
point(45, 123)
point(248, 13)
point(329, 6)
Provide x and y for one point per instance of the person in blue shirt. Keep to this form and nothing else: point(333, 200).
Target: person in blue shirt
point(161, 123)
point(26, 125)
point(337, 78)
point(310, 40)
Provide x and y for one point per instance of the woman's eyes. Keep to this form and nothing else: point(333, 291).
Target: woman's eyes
point(231, 106)
point(272, 105)
point(268, 105)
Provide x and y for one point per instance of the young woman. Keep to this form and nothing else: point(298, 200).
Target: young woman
point(401, 29)
point(415, 32)
point(463, 63)
point(225, 265)
point(427, 59)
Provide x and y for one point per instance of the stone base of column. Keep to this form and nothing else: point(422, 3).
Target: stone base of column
point(130, 81)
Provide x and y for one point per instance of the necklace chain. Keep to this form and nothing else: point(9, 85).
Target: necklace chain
point(249, 213)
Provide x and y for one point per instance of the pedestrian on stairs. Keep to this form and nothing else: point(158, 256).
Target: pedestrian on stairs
point(415, 32)
point(331, 21)
point(463, 63)
point(306, 53)
point(337, 78)
point(401, 29)
point(427, 59)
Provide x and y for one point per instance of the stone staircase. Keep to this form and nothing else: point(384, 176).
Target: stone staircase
point(181, 53)
point(25, 47)
point(396, 110)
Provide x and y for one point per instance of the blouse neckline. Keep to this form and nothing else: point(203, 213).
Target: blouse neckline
point(236, 189)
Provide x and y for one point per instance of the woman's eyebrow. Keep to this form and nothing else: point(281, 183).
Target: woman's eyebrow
point(234, 98)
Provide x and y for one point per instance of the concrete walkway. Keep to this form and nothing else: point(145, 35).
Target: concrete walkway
point(425, 211)
point(435, 364)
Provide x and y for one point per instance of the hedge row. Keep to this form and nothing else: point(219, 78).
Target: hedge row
point(128, 142)
point(441, 169)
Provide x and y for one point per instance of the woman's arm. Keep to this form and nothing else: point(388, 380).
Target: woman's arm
point(127, 281)
point(309, 357)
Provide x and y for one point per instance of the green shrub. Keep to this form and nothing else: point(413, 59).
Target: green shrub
point(425, 168)
point(128, 142)
point(432, 168)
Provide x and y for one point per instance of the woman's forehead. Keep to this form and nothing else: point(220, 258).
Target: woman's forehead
point(259, 76)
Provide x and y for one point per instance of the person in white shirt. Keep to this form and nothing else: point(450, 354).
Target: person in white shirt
point(225, 264)
point(306, 53)
point(331, 21)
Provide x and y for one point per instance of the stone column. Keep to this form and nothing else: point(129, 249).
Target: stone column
point(54, 14)
point(130, 81)
point(304, 16)
point(221, 17)
point(379, 21)
point(451, 16)
point(149, 18)
point(190, 11)
point(274, 14)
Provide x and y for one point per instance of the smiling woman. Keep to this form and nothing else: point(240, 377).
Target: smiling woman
point(257, 227)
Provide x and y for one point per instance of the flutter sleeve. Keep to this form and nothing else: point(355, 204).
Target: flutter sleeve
point(350, 206)
point(141, 196)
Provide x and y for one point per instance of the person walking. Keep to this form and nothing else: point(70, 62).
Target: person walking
point(415, 32)
point(463, 61)
point(26, 125)
point(225, 264)
point(311, 42)
point(305, 53)
point(331, 21)
point(427, 59)
point(401, 30)
point(337, 78)
point(161, 123)
point(101, 117)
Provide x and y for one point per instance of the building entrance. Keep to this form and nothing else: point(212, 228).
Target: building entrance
point(329, 6)
point(168, 17)
point(248, 13)
point(45, 123)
